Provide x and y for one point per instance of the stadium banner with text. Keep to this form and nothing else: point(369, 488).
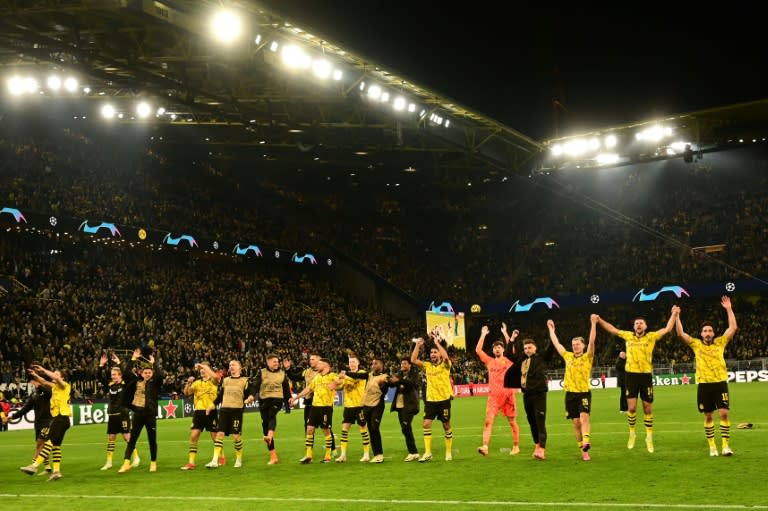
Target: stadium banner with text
point(471, 389)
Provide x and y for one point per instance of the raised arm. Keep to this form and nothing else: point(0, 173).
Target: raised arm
point(725, 301)
point(210, 373)
point(480, 342)
point(680, 332)
point(592, 334)
point(439, 344)
point(607, 326)
point(553, 337)
point(417, 344)
point(670, 322)
point(53, 378)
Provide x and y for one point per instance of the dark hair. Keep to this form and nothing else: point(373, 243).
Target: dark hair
point(498, 343)
point(406, 359)
point(707, 323)
point(529, 341)
point(272, 355)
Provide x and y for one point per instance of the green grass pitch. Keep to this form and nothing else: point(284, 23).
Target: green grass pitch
point(679, 475)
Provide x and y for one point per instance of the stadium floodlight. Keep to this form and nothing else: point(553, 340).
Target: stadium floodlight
point(654, 133)
point(274, 45)
point(374, 92)
point(607, 159)
point(257, 39)
point(143, 110)
point(226, 26)
point(294, 57)
point(70, 84)
point(321, 68)
point(610, 141)
point(108, 111)
point(337, 75)
point(54, 83)
point(399, 103)
point(16, 85)
point(411, 107)
point(160, 111)
point(384, 97)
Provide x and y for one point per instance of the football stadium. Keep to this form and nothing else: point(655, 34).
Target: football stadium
point(243, 263)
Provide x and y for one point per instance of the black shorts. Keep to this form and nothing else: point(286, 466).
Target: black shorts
point(440, 410)
point(713, 396)
point(230, 421)
point(205, 421)
point(639, 384)
point(119, 423)
point(354, 415)
point(577, 403)
point(320, 416)
point(59, 426)
point(42, 430)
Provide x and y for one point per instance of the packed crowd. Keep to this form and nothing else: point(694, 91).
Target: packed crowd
point(433, 238)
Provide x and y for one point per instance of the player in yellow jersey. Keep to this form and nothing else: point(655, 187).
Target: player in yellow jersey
point(639, 371)
point(439, 393)
point(60, 414)
point(578, 373)
point(712, 376)
point(205, 415)
point(353, 383)
point(323, 387)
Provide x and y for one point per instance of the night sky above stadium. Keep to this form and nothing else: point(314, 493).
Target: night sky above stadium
point(605, 67)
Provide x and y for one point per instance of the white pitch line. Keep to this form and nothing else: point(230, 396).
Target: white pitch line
point(415, 502)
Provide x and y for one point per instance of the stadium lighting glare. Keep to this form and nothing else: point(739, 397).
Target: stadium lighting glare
point(108, 111)
point(54, 83)
point(160, 111)
point(337, 75)
point(593, 144)
point(16, 86)
point(86, 90)
point(257, 39)
point(384, 97)
point(411, 107)
point(226, 26)
point(143, 110)
point(654, 133)
point(374, 91)
point(362, 86)
point(70, 84)
point(294, 57)
point(607, 159)
point(447, 123)
point(575, 147)
point(274, 46)
point(31, 85)
point(321, 68)
point(399, 103)
point(557, 150)
point(610, 141)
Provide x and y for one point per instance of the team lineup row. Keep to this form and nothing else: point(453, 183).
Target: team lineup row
point(515, 365)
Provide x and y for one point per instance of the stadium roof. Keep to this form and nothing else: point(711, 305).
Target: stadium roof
point(245, 96)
